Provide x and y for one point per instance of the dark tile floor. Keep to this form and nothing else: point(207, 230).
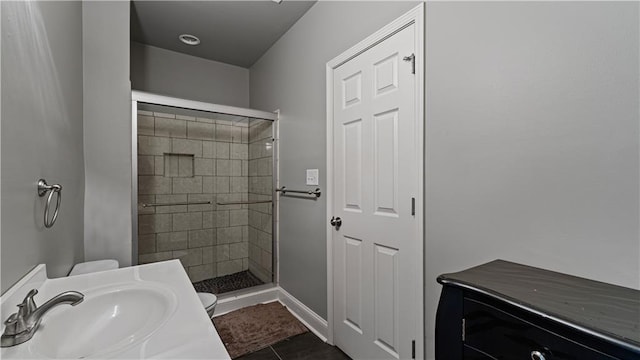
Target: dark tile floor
point(306, 346)
point(223, 284)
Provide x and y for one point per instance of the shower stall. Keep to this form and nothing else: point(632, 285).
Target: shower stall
point(204, 190)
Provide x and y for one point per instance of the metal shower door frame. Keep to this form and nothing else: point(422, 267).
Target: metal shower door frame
point(155, 99)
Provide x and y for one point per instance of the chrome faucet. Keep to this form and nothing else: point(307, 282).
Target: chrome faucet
point(21, 326)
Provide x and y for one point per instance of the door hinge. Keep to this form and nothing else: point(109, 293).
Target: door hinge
point(411, 58)
point(463, 329)
point(413, 206)
point(413, 349)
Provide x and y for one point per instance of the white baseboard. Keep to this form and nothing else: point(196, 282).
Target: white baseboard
point(232, 303)
point(310, 319)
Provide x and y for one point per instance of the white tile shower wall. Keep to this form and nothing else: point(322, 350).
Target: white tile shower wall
point(260, 185)
point(184, 159)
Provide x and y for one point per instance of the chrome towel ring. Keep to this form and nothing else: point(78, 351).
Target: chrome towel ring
point(43, 189)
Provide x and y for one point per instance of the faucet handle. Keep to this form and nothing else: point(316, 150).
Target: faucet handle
point(14, 324)
point(11, 322)
point(28, 304)
point(31, 294)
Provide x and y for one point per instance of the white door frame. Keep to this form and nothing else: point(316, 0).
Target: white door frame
point(414, 16)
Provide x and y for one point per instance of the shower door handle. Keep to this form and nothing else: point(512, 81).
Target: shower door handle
point(336, 222)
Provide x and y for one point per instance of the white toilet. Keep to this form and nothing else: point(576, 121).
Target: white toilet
point(94, 266)
point(209, 302)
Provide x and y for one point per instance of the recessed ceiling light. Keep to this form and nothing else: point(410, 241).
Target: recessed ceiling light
point(277, 1)
point(189, 39)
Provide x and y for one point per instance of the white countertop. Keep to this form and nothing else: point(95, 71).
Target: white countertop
point(187, 332)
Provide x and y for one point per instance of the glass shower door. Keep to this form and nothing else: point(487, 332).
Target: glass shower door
point(205, 184)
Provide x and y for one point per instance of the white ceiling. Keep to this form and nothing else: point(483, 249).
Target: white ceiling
point(234, 32)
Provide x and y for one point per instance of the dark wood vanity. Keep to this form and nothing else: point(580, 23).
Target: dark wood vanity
point(503, 310)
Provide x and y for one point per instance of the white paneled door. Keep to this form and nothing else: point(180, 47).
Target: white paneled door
point(376, 251)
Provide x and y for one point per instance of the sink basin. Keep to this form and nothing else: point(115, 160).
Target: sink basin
point(109, 320)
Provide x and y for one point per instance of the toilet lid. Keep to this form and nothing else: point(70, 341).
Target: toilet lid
point(207, 299)
point(94, 266)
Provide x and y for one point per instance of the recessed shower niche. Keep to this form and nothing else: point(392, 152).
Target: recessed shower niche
point(178, 165)
point(205, 195)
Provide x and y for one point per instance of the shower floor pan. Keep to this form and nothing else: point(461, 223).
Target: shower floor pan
point(222, 284)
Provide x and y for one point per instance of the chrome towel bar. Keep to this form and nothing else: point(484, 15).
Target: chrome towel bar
point(315, 192)
point(177, 203)
point(244, 202)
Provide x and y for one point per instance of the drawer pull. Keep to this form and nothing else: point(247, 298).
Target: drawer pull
point(537, 355)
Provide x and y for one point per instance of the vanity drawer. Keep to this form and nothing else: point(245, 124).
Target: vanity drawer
point(505, 336)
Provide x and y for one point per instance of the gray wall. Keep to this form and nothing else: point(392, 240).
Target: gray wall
point(170, 73)
point(291, 77)
point(532, 139)
point(41, 135)
point(107, 130)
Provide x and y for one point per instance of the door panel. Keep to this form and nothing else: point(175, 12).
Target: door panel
point(375, 177)
point(353, 283)
point(386, 163)
point(386, 75)
point(386, 299)
point(353, 165)
point(352, 89)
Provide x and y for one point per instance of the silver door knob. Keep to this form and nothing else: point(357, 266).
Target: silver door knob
point(336, 222)
point(537, 355)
